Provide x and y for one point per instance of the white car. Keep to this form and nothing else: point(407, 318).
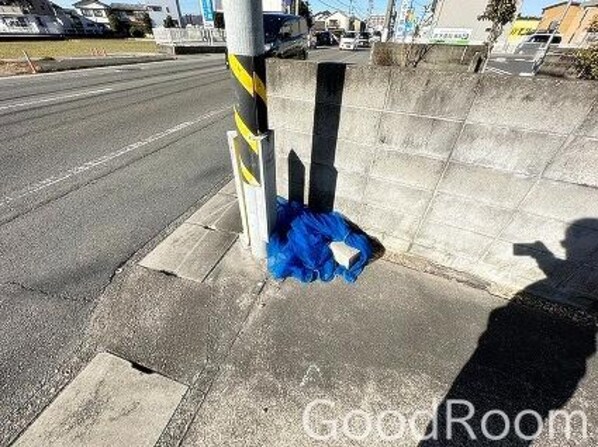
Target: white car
point(349, 41)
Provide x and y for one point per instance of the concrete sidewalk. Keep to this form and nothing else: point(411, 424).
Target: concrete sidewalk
point(253, 356)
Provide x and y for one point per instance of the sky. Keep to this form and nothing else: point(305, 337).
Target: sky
point(530, 7)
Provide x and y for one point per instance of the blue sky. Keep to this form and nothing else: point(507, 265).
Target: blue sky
point(530, 7)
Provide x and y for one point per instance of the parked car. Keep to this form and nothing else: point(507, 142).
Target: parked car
point(364, 40)
point(537, 42)
point(349, 41)
point(376, 37)
point(285, 36)
point(325, 38)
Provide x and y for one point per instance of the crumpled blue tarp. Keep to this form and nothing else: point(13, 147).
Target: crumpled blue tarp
point(298, 247)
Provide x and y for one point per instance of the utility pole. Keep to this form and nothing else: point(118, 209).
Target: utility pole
point(538, 63)
point(251, 152)
point(387, 32)
point(297, 2)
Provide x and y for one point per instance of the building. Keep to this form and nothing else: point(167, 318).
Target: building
point(44, 18)
point(192, 19)
point(339, 21)
point(158, 10)
point(376, 22)
point(520, 30)
point(94, 10)
point(74, 24)
point(319, 20)
point(573, 27)
point(31, 17)
point(589, 14)
point(456, 21)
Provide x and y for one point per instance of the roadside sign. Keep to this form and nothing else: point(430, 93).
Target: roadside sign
point(207, 11)
point(458, 36)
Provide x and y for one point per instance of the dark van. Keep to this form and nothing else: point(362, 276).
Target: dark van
point(285, 36)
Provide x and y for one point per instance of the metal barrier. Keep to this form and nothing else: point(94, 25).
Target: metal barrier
point(189, 35)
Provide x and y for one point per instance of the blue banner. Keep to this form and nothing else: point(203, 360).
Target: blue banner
point(207, 10)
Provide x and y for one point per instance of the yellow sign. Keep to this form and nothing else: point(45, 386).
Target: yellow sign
point(522, 28)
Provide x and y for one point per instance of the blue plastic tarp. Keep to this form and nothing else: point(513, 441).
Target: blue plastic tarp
point(299, 247)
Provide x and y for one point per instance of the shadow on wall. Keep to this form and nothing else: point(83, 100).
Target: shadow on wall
point(322, 173)
point(523, 361)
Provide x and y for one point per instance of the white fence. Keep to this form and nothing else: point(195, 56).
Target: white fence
point(189, 36)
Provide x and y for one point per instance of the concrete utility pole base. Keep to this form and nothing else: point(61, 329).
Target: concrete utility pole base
point(257, 204)
point(251, 149)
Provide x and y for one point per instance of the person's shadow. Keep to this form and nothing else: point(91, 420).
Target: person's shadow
point(526, 363)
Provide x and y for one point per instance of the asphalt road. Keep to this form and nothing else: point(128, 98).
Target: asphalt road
point(93, 165)
point(511, 64)
point(333, 54)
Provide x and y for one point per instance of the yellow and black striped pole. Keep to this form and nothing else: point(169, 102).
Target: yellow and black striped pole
point(251, 119)
point(245, 45)
point(252, 153)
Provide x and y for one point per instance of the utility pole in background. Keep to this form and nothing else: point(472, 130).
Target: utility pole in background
point(540, 60)
point(387, 31)
point(297, 3)
point(251, 152)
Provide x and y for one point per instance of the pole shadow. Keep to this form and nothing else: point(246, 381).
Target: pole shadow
point(327, 114)
point(525, 361)
point(323, 175)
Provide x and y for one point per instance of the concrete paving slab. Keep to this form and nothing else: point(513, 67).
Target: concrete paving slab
point(398, 340)
point(110, 404)
point(221, 212)
point(169, 254)
point(158, 321)
point(229, 189)
point(202, 258)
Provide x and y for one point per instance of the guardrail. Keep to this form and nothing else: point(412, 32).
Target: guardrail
point(186, 36)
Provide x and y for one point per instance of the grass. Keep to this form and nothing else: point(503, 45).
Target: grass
point(74, 47)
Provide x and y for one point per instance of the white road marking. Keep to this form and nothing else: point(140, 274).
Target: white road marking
point(526, 75)
point(500, 59)
point(43, 184)
point(55, 98)
point(497, 71)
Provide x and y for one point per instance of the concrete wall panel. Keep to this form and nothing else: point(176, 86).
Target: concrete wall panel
point(418, 135)
point(396, 223)
point(290, 114)
point(563, 201)
point(506, 149)
point(396, 197)
point(485, 185)
point(292, 79)
point(452, 240)
point(532, 103)
point(426, 93)
point(454, 167)
point(577, 163)
point(469, 214)
point(366, 86)
point(410, 170)
point(590, 126)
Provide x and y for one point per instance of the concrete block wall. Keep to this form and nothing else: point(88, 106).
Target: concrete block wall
point(455, 167)
point(459, 58)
